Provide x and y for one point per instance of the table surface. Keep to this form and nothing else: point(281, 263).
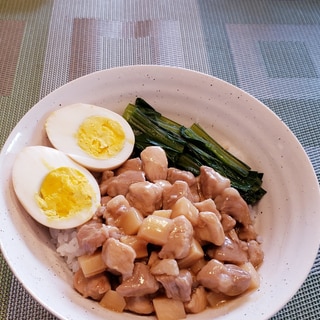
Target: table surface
point(269, 48)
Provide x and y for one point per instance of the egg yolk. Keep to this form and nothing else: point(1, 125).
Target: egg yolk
point(64, 192)
point(100, 137)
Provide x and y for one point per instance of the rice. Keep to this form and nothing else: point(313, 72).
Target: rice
point(67, 246)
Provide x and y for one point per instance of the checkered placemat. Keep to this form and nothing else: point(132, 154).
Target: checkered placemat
point(269, 48)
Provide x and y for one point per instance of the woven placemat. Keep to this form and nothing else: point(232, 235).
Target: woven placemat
point(268, 48)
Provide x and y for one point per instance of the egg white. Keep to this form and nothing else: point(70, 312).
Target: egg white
point(61, 127)
point(31, 166)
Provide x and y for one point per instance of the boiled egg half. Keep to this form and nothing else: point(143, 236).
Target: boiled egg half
point(54, 190)
point(95, 137)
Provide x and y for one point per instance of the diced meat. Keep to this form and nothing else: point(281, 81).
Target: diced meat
point(118, 257)
point(228, 223)
point(209, 228)
point(208, 205)
point(112, 232)
point(165, 266)
point(145, 197)
point(120, 184)
point(211, 182)
point(117, 206)
point(163, 184)
point(177, 287)
point(194, 190)
point(255, 252)
point(179, 241)
point(140, 305)
point(230, 202)
point(94, 287)
point(155, 231)
point(107, 174)
point(154, 163)
point(177, 174)
point(131, 164)
point(228, 279)
point(177, 190)
point(230, 251)
point(141, 282)
point(91, 236)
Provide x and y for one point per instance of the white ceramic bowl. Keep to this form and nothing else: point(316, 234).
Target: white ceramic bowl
point(289, 214)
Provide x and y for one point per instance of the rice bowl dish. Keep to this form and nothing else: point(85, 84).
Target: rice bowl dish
point(240, 122)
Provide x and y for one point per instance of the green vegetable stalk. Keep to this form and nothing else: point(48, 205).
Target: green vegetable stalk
point(190, 148)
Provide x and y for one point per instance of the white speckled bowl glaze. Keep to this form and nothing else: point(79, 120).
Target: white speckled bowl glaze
point(288, 216)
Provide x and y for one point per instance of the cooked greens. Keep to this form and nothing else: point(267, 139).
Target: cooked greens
point(189, 148)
